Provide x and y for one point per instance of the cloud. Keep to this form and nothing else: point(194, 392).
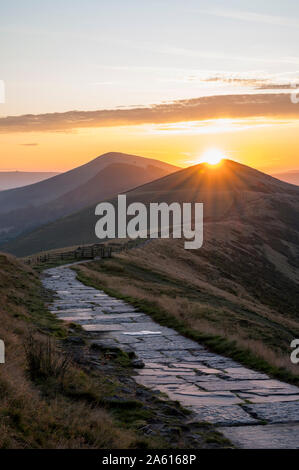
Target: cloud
point(209, 107)
point(276, 86)
point(30, 144)
point(258, 83)
point(215, 126)
point(234, 80)
point(252, 17)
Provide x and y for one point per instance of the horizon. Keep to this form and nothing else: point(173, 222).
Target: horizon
point(217, 164)
point(100, 73)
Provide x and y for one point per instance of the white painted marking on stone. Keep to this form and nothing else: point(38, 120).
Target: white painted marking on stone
point(142, 332)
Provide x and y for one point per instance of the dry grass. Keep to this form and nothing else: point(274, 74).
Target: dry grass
point(44, 359)
point(194, 290)
point(44, 401)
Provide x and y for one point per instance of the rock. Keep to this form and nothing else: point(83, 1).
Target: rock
point(105, 346)
point(130, 353)
point(137, 363)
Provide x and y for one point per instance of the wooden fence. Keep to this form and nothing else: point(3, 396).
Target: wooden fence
point(84, 252)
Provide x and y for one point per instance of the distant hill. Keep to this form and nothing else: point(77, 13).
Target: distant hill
point(24, 209)
point(289, 176)
point(230, 192)
point(16, 179)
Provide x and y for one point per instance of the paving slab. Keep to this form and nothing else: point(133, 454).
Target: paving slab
point(148, 381)
point(221, 384)
point(273, 436)
point(268, 398)
point(233, 415)
point(275, 412)
point(77, 318)
point(242, 373)
point(189, 396)
point(97, 327)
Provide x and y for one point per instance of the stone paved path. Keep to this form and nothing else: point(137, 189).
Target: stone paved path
point(251, 409)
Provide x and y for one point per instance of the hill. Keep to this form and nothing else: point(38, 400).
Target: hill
point(230, 192)
point(238, 293)
point(24, 209)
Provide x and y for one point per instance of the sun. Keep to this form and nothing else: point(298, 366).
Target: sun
point(212, 156)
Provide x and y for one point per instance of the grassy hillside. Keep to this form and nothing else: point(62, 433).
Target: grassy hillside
point(242, 302)
point(35, 408)
point(51, 397)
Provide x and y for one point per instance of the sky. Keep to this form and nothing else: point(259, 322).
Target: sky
point(167, 79)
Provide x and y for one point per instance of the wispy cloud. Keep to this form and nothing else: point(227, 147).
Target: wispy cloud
point(251, 79)
point(205, 54)
point(241, 106)
point(252, 16)
point(257, 83)
point(214, 126)
point(30, 144)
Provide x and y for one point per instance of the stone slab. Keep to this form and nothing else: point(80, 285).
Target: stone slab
point(233, 415)
point(275, 412)
point(273, 436)
point(97, 327)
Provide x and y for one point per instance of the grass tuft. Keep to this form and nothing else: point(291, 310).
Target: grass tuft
point(43, 358)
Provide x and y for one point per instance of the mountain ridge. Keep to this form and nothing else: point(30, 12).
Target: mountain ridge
point(69, 179)
point(231, 191)
point(25, 209)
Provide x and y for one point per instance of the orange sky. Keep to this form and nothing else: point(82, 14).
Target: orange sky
point(167, 80)
point(269, 145)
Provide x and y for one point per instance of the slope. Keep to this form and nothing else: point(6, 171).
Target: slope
point(24, 209)
point(230, 191)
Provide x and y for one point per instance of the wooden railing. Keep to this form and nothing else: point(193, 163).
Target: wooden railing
point(84, 252)
point(99, 250)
